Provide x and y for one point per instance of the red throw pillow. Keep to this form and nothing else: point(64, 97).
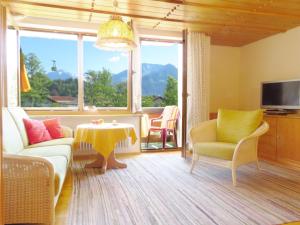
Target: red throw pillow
point(36, 131)
point(54, 128)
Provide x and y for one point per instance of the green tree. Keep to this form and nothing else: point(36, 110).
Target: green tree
point(33, 64)
point(120, 97)
point(98, 87)
point(38, 96)
point(171, 92)
point(67, 87)
point(39, 81)
point(147, 101)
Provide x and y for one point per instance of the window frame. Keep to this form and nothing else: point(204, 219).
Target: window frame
point(81, 108)
point(154, 39)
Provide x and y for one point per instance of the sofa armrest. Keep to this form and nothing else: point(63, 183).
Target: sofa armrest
point(204, 132)
point(67, 131)
point(28, 189)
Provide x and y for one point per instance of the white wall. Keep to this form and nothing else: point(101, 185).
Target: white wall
point(273, 58)
point(224, 82)
point(237, 73)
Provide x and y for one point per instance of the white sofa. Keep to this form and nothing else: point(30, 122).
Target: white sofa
point(33, 174)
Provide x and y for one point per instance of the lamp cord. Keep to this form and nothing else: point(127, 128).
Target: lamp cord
point(115, 4)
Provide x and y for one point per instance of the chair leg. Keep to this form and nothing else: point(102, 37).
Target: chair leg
point(164, 137)
point(233, 173)
point(148, 138)
point(194, 160)
point(175, 137)
point(193, 165)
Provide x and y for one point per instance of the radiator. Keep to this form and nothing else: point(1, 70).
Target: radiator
point(87, 149)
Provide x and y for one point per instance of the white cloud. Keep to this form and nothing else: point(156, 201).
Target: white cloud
point(124, 54)
point(114, 59)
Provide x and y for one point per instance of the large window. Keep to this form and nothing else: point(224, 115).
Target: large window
point(56, 76)
point(159, 73)
point(51, 64)
point(105, 76)
point(68, 71)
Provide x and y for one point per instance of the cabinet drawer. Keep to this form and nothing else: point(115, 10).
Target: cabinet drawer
point(288, 140)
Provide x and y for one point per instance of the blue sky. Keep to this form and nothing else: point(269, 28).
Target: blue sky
point(65, 54)
point(160, 54)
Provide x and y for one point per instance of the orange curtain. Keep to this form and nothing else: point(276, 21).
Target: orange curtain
point(25, 85)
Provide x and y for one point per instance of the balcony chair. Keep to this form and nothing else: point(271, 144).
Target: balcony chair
point(168, 125)
point(230, 140)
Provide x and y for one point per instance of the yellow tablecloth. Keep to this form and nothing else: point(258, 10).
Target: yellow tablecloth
point(104, 137)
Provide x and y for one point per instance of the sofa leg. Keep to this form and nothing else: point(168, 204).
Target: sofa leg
point(233, 173)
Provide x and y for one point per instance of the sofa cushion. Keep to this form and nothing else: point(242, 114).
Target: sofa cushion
point(18, 115)
point(47, 151)
point(219, 150)
point(12, 141)
point(61, 141)
point(233, 125)
point(36, 131)
point(60, 166)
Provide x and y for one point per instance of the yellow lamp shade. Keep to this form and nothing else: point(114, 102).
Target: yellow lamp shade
point(115, 35)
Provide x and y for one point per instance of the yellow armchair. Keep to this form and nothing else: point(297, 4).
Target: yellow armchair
point(213, 149)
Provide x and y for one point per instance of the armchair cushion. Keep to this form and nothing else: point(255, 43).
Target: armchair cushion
point(233, 125)
point(219, 150)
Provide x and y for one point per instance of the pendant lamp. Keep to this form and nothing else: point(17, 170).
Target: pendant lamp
point(115, 35)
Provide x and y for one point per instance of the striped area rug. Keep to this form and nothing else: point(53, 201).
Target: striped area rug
point(157, 189)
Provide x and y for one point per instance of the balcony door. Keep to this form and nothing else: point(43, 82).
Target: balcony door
point(162, 82)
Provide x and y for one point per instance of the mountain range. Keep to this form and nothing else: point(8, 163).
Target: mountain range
point(154, 77)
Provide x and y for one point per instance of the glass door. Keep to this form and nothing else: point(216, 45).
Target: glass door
point(161, 66)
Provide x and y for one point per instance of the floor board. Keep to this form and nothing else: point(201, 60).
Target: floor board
point(157, 188)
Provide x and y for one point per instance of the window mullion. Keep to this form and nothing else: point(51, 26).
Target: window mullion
point(80, 73)
point(129, 82)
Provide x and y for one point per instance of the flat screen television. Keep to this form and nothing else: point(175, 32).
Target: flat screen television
point(281, 95)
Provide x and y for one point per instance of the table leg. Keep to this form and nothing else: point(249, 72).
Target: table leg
point(100, 162)
point(110, 163)
point(113, 163)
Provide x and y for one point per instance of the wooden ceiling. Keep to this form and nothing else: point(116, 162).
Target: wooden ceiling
point(228, 22)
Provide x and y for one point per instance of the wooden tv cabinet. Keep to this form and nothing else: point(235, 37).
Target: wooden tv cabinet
point(281, 144)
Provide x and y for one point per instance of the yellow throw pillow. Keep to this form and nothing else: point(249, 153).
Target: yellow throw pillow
point(233, 125)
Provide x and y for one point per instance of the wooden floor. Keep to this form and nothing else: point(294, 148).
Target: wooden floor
point(157, 188)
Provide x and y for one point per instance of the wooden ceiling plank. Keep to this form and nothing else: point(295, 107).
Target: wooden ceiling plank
point(169, 19)
point(231, 8)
